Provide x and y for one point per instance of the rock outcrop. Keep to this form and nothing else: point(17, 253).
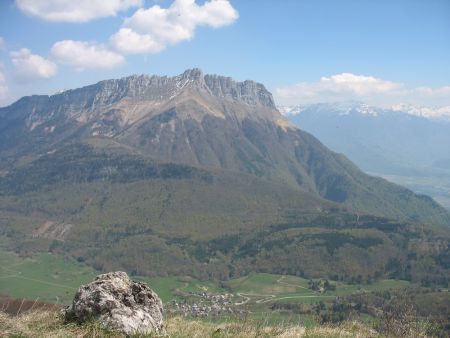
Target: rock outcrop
point(192, 119)
point(118, 303)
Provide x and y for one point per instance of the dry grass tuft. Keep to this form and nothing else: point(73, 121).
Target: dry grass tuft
point(49, 324)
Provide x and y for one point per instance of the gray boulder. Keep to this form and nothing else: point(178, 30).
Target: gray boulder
point(118, 303)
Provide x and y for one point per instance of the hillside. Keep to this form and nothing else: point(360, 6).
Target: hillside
point(377, 139)
point(403, 144)
point(201, 175)
point(204, 121)
point(278, 302)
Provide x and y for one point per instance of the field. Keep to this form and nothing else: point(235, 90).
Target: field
point(261, 288)
point(54, 278)
point(44, 277)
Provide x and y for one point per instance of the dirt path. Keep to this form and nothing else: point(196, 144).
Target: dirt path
point(294, 297)
point(265, 298)
point(245, 301)
point(249, 296)
point(271, 298)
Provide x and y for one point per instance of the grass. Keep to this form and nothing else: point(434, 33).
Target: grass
point(264, 288)
point(47, 277)
point(49, 324)
point(54, 278)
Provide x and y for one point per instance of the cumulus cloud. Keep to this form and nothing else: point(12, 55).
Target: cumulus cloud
point(74, 10)
point(84, 55)
point(30, 66)
point(340, 86)
point(372, 90)
point(153, 29)
point(128, 41)
point(359, 84)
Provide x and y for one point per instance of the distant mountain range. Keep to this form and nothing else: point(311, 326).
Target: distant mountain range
point(404, 141)
point(378, 140)
point(200, 174)
point(441, 114)
point(432, 113)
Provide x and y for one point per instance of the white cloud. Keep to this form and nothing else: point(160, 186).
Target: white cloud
point(369, 89)
point(337, 87)
point(358, 84)
point(32, 66)
point(128, 41)
point(84, 55)
point(74, 10)
point(2, 43)
point(151, 30)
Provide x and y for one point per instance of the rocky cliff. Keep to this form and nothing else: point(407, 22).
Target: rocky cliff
point(199, 120)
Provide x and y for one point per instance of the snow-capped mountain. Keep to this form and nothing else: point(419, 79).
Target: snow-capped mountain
point(378, 139)
point(404, 140)
point(426, 112)
point(355, 107)
point(339, 108)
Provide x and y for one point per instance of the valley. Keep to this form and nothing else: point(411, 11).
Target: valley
point(53, 278)
point(261, 297)
point(205, 191)
point(436, 186)
point(400, 144)
point(224, 168)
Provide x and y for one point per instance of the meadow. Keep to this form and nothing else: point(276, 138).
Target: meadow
point(54, 278)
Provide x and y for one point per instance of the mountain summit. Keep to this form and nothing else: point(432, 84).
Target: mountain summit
point(203, 121)
point(201, 175)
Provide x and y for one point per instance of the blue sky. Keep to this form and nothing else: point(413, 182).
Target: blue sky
point(383, 52)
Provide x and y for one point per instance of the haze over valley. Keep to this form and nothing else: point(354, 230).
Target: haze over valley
point(405, 144)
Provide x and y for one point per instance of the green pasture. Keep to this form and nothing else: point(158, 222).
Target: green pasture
point(54, 278)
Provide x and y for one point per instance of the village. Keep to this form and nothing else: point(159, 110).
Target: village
point(204, 304)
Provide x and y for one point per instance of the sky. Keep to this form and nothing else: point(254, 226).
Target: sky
point(382, 52)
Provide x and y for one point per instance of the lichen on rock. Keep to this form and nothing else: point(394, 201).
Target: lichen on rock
point(118, 303)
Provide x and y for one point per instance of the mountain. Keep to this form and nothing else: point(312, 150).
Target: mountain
point(203, 121)
point(406, 144)
point(433, 113)
point(376, 139)
point(199, 174)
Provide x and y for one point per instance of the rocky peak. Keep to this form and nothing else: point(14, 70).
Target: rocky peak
point(195, 75)
point(249, 92)
point(165, 88)
point(158, 89)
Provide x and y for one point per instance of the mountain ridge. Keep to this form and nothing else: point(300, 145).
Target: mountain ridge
point(438, 114)
point(404, 139)
point(198, 120)
point(144, 86)
point(406, 148)
point(212, 182)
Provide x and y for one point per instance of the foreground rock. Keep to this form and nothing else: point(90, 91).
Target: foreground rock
point(118, 303)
